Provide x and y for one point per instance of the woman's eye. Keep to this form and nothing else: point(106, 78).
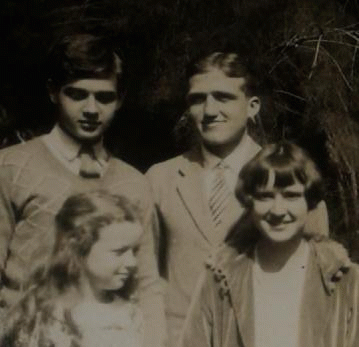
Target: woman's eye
point(292, 195)
point(263, 196)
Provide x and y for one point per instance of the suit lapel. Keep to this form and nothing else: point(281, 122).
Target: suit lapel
point(191, 192)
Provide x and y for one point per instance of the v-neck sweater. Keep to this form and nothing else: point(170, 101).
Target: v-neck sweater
point(33, 186)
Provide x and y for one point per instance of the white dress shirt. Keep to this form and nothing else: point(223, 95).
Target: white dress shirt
point(66, 150)
point(232, 164)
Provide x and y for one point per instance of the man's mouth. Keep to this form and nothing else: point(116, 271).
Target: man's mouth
point(210, 123)
point(89, 125)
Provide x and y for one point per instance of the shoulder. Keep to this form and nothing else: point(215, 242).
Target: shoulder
point(329, 253)
point(179, 165)
point(335, 265)
point(125, 170)
point(168, 166)
point(20, 153)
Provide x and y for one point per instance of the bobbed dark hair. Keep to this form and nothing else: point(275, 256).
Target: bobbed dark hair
point(289, 164)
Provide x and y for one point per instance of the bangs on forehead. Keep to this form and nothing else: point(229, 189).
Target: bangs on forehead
point(277, 177)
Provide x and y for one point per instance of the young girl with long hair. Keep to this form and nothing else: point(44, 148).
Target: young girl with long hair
point(86, 295)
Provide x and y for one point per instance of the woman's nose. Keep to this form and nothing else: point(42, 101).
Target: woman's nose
point(279, 205)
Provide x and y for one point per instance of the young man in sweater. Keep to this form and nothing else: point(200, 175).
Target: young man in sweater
point(36, 177)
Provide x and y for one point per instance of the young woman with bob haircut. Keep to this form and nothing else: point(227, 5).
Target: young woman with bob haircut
point(274, 284)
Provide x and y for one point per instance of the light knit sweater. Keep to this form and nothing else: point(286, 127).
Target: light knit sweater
point(34, 185)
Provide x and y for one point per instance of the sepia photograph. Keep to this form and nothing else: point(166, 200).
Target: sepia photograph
point(179, 173)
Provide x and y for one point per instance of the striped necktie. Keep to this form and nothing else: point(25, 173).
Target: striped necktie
point(220, 195)
point(89, 166)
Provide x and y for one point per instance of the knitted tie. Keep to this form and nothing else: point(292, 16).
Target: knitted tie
point(220, 195)
point(89, 167)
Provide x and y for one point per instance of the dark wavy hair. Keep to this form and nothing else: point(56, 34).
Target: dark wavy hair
point(83, 55)
point(232, 65)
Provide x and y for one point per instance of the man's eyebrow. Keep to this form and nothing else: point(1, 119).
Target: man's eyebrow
point(222, 94)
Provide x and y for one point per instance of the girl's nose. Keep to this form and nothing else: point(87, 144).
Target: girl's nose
point(279, 205)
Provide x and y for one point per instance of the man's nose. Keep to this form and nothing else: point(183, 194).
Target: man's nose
point(91, 106)
point(210, 106)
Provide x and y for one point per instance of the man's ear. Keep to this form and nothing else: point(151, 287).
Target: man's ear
point(51, 91)
point(254, 106)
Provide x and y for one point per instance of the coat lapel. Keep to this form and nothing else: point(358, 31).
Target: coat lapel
point(191, 192)
point(317, 307)
point(242, 297)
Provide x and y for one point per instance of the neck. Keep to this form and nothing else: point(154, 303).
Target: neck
point(224, 150)
point(90, 292)
point(273, 256)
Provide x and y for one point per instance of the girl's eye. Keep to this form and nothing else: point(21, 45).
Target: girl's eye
point(263, 196)
point(292, 195)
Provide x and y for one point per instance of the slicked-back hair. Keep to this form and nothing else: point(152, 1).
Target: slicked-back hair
point(80, 56)
point(289, 164)
point(232, 65)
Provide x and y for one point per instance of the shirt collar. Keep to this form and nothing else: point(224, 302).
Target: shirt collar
point(236, 159)
point(69, 148)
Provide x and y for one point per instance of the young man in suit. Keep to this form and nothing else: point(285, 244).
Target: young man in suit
point(194, 192)
point(85, 84)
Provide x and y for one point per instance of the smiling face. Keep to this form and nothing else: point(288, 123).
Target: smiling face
point(220, 109)
point(86, 107)
point(111, 260)
point(280, 213)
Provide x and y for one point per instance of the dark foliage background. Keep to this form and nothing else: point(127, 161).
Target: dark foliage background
point(306, 51)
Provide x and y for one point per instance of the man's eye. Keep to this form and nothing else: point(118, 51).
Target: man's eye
point(195, 99)
point(105, 97)
point(224, 97)
point(76, 94)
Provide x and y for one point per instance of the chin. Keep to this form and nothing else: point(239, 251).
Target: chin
point(276, 237)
